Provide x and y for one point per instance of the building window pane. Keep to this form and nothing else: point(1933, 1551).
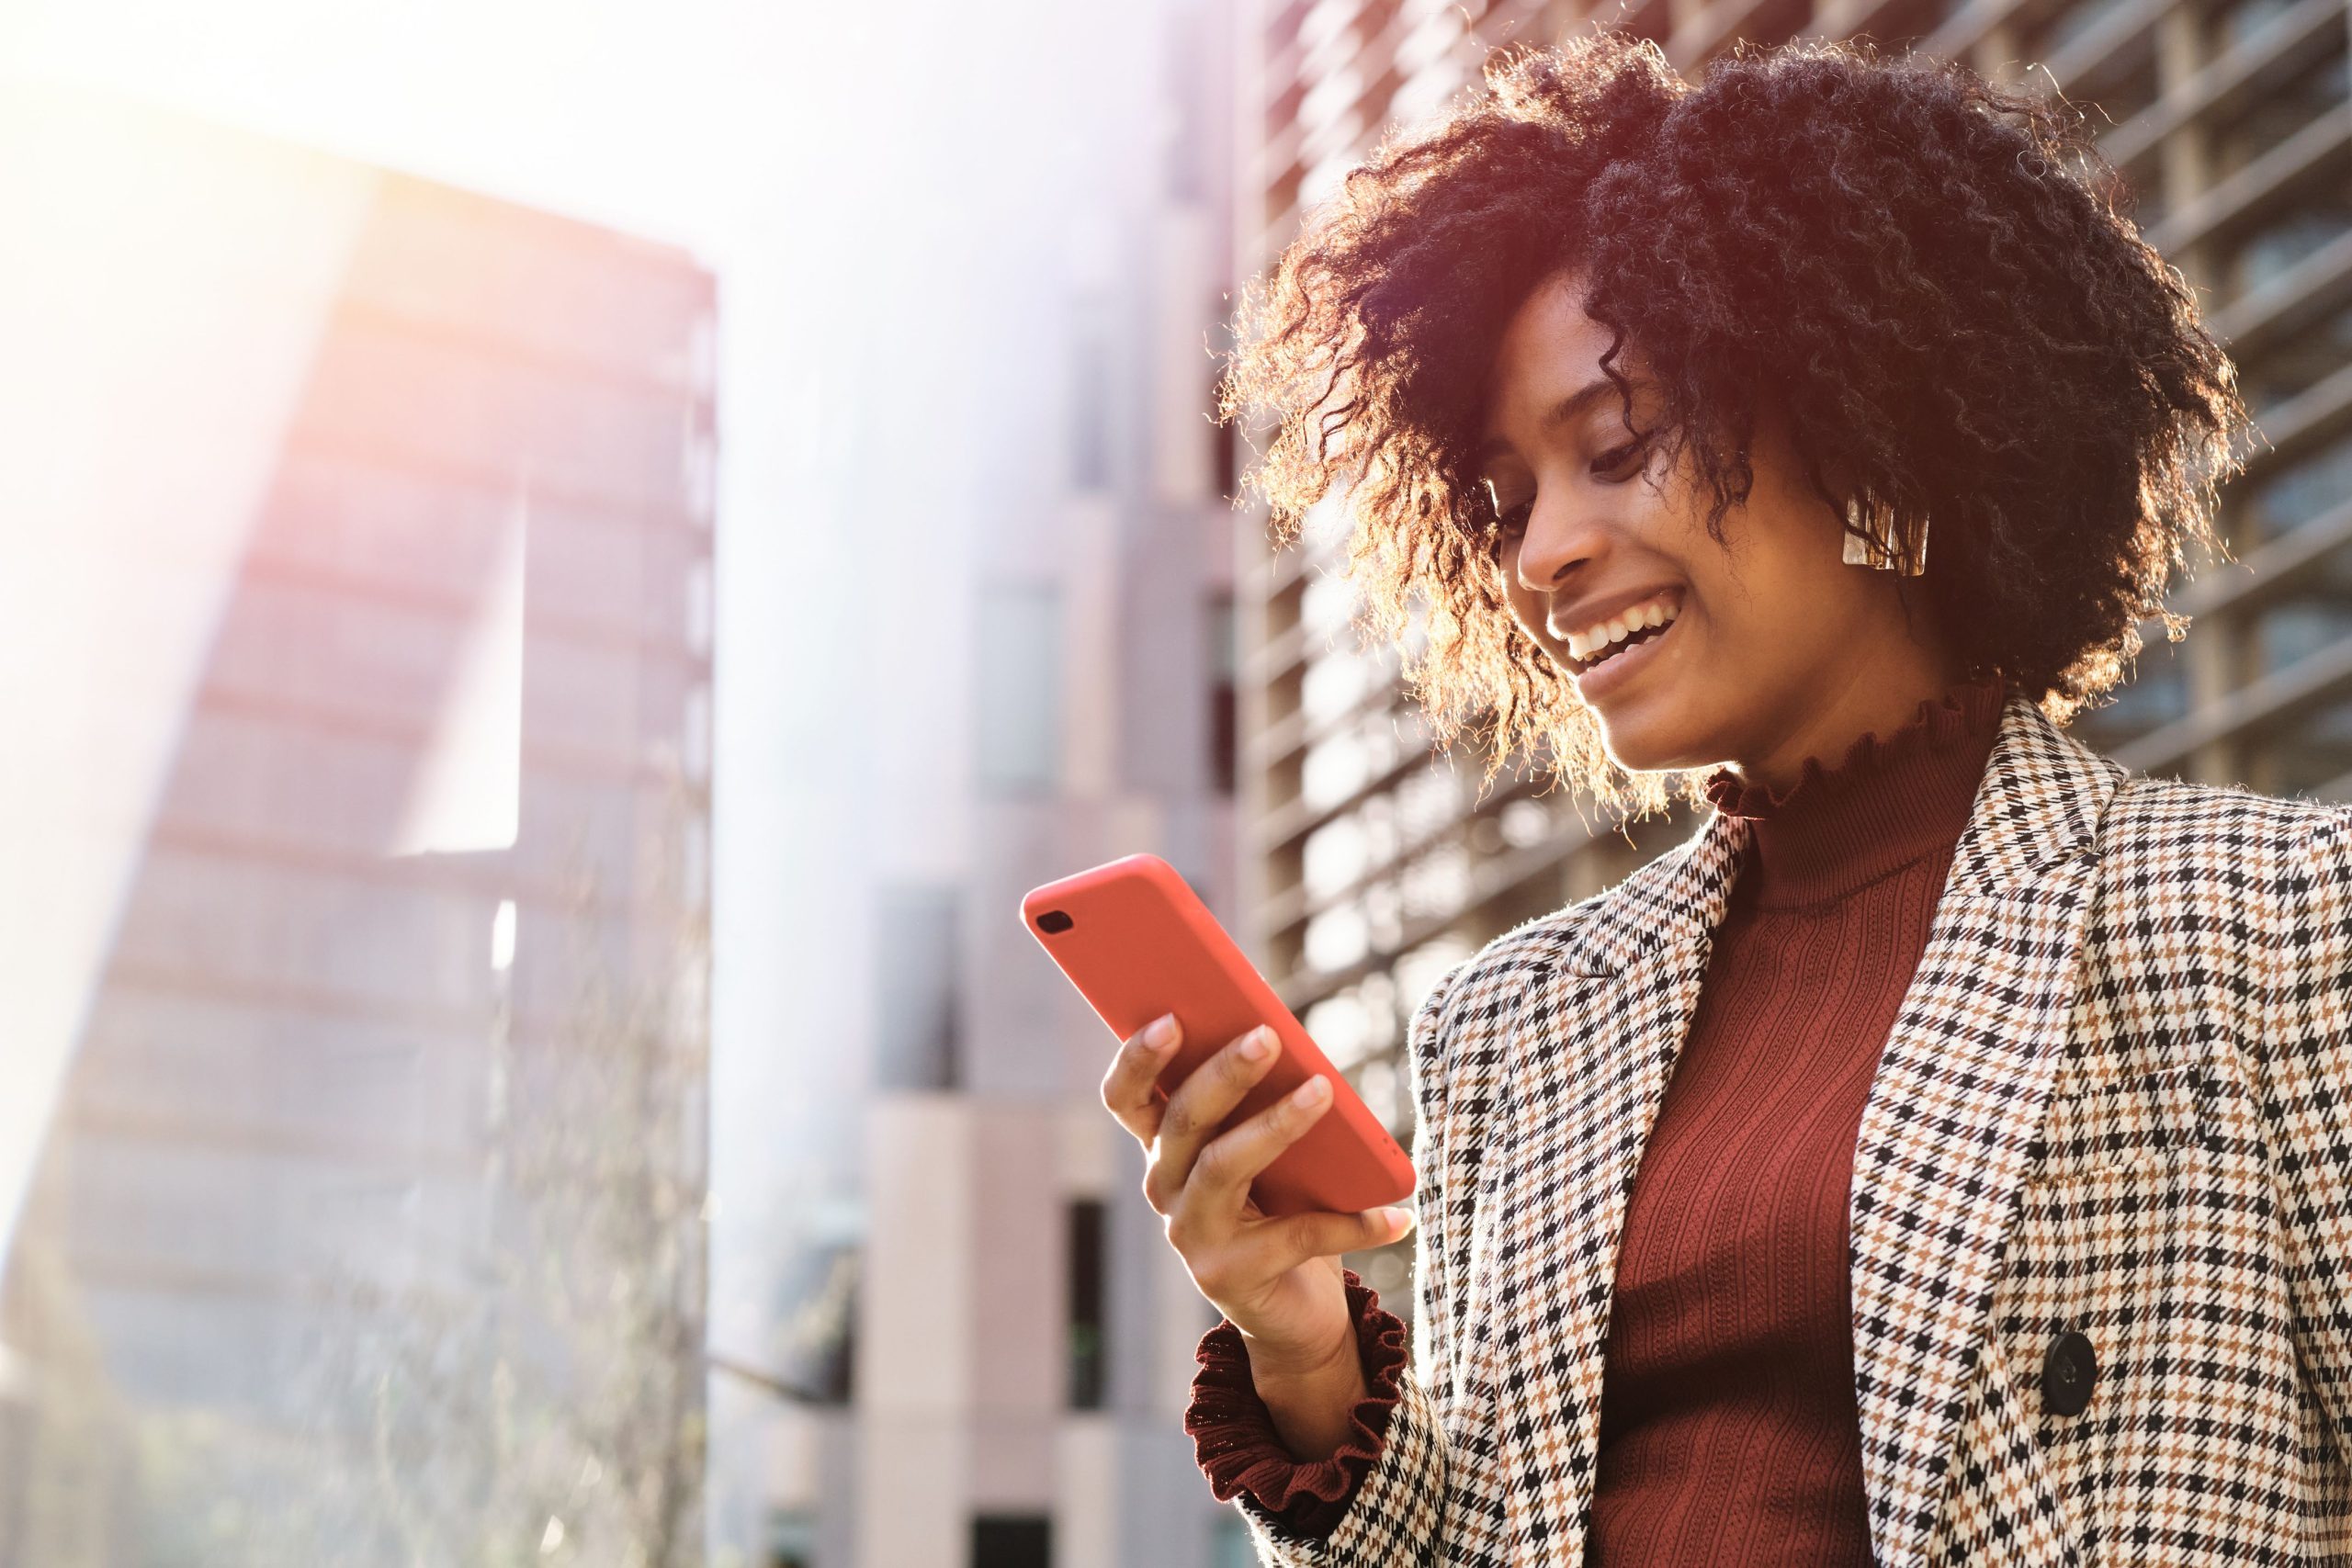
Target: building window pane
point(1013, 1540)
point(1223, 663)
point(1089, 459)
point(1020, 687)
point(916, 1043)
point(1086, 1265)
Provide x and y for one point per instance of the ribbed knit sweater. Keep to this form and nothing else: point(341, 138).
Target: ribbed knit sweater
point(1729, 1433)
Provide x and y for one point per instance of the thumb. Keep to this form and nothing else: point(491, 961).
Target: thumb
point(1327, 1235)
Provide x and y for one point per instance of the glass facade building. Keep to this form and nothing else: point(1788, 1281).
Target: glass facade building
point(989, 1342)
point(391, 760)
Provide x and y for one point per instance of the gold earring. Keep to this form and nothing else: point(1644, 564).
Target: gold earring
point(1871, 539)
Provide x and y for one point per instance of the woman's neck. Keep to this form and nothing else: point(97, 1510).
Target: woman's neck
point(1877, 697)
point(1874, 807)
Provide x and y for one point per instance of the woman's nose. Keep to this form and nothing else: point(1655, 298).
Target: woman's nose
point(1557, 538)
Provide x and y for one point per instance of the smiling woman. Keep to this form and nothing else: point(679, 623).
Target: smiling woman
point(1939, 1156)
point(1599, 335)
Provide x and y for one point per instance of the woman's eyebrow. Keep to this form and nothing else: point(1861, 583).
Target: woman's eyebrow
point(1566, 408)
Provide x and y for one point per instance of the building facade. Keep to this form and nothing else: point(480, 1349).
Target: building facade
point(987, 1343)
point(396, 779)
point(1369, 864)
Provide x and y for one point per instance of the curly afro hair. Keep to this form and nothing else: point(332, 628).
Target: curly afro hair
point(1935, 279)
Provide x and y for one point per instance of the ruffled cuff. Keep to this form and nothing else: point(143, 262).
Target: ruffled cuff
point(1233, 1437)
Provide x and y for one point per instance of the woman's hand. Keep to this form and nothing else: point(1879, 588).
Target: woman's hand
point(1277, 1280)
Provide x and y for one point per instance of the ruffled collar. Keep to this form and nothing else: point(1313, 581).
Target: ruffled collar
point(1886, 802)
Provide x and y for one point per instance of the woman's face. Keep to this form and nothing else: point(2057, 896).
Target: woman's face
point(1778, 648)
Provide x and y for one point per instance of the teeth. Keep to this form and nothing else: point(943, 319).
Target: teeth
point(1585, 644)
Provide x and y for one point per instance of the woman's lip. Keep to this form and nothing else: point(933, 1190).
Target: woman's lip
point(1672, 595)
point(1582, 665)
point(1606, 675)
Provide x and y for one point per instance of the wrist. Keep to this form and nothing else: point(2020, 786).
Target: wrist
point(1313, 1403)
point(1333, 1363)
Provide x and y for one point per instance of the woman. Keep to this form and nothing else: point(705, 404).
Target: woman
point(1946, 1154)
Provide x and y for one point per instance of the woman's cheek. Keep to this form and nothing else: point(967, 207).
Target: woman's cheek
point(1529, 613)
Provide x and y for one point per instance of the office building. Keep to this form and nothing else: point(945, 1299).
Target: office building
point(984, 1346)
point(388, 507)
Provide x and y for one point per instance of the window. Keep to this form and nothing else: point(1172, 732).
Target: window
point(792, 1541)
point(1019, 707)
point(1013, 1540)
point(817, 1294)
point(694, 734)
point(1224, 670)
point(917, 1008)
point(1187, 150)
point(1086, 1270)
point(1090, 392)
point(2306, 492)
point(1225, 438)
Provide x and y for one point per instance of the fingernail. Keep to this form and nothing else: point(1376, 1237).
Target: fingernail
point(1256, 1043)
point(1398, 1220)
point(1313, 1090)
point(1162, 1032)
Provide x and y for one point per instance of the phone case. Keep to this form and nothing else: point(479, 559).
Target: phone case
point(1138, 941)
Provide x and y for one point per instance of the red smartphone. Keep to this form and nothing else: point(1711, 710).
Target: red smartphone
point(1138, 941)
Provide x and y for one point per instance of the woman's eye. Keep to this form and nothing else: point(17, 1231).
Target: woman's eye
point(1621, 462)
point(1511, 519)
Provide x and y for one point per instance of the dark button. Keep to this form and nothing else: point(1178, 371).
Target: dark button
point(2067, 1374)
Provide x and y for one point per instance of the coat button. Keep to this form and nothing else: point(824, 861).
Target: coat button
point(2067, 1374)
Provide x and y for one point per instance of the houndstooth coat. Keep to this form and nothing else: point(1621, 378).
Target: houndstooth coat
point(2109, 1142)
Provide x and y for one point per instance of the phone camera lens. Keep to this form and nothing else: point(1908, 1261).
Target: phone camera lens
point(1053, 922)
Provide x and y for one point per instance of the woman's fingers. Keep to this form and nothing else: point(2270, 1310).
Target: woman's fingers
point(1295, 1239)
point(1200, 1104)
point(1130, 1089)
point(1221, 1176)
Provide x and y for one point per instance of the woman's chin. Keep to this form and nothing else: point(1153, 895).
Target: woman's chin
point(1643, 742)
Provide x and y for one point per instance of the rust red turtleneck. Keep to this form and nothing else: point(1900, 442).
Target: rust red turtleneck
point(1728, 1430)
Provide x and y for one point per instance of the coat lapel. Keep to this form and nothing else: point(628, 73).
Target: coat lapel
point(1961, 1086)
point(1959, 1094)
point(1589, 1059)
